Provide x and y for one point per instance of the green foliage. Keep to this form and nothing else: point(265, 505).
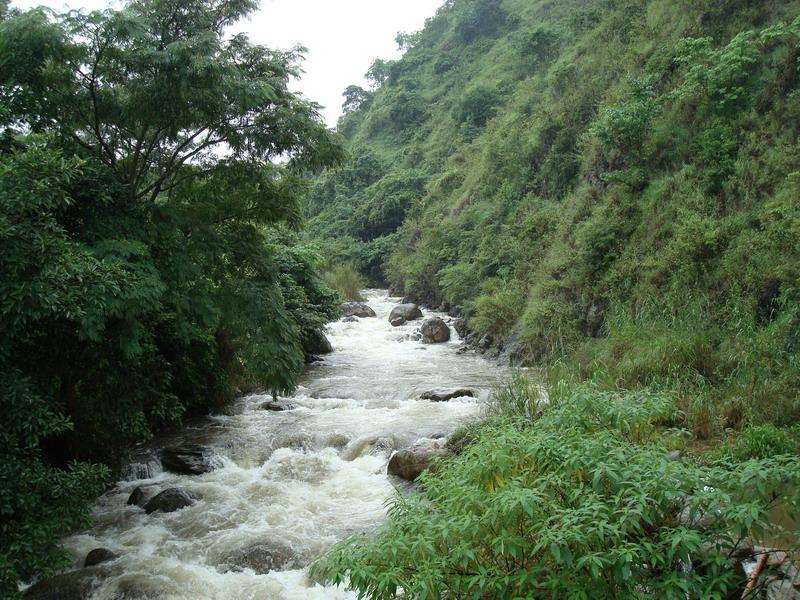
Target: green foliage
point(150, 253)
point(580, 502)
point(614, 184)
point(763, 441)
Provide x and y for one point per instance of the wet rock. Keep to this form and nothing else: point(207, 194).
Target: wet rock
point(675, 455)
point(97, 556)
point(277, 406)
point(263, 557)
point(445, 395)
point(350, 320)
point(397, 321)
point(407, 311)
point(485, 342)
point(782, 589)
point(434, 331)
point(317, 343)
point(336, 440)
point(313, 358)
point(75, 585)
point(410, 462)
point(460, 325)
point(357, 309)
point(138, 497)
point(170, 500)
point(370, 445)
point(190, 459)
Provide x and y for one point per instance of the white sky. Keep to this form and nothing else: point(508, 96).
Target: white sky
point(343, 37)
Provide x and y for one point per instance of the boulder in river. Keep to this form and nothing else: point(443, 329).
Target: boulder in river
point(74, 585)
point(263, 557)
point(410, 462)
point(317, 343)
point(350, 320)
point(138, 497)
point(357, 309)
point(190, 459)
point(445, 395)
point(170, 500)
point(406, 312)
point(434, 331)
point(97, 556)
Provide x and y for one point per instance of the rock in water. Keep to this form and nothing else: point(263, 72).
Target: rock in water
point(263, 557)
point(317, 343)
point(138, 497)
point(445, 395)
point(408, 312)
point(97, 556)
point(277, 406)
point(410, 462)
point(434, 331)
point(357, 309)
point(75, 585)
point(170, 500)
point(186, 460)
point(397, 321)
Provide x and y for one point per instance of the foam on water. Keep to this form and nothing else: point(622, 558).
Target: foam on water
point(300, 479)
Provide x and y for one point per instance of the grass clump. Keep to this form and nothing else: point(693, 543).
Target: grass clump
point(345, 279)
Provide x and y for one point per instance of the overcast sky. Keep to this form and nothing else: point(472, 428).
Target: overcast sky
point(343, 37)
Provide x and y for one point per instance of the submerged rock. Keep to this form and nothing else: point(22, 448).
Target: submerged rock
point(99, 555)
point(445, 395)
point(277, 406)
point(350, 320)
point(434, 331)
point(410, 462)
point(397, 321)
point(408, 312)
point(170, 500)
point(357, 309)
point(74, 585)
point(263, 557)
point(190, 459)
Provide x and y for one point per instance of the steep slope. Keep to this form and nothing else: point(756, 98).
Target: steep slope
point(613, 185)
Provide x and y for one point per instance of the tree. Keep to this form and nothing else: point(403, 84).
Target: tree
point(153, 171)
point(378, 71)
point(355, 98)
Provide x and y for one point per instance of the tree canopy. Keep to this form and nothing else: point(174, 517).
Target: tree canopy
point(153, 172)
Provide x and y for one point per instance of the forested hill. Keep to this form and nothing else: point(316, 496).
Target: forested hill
point(611, 185)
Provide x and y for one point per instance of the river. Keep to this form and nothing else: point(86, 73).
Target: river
point(298, 480)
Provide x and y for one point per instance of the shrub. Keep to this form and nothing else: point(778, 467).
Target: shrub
point(571, 506)
point(762, 441)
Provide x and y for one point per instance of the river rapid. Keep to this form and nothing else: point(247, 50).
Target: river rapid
point(298, 480)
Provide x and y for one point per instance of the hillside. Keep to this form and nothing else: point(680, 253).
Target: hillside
point(610, 187)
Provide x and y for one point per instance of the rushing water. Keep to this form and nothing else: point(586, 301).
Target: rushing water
point(298, 480)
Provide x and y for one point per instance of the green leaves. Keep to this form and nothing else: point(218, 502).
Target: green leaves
point(584, 511)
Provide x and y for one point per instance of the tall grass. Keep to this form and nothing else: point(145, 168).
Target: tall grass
point(346, 280)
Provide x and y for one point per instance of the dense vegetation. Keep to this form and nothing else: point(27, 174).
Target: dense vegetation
point(611, 186)
point(151, 181)
point(572, 495)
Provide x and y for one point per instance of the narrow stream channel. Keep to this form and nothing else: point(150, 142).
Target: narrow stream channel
point(289, 484)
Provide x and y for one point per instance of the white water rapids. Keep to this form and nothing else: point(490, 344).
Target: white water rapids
point(303, 478)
